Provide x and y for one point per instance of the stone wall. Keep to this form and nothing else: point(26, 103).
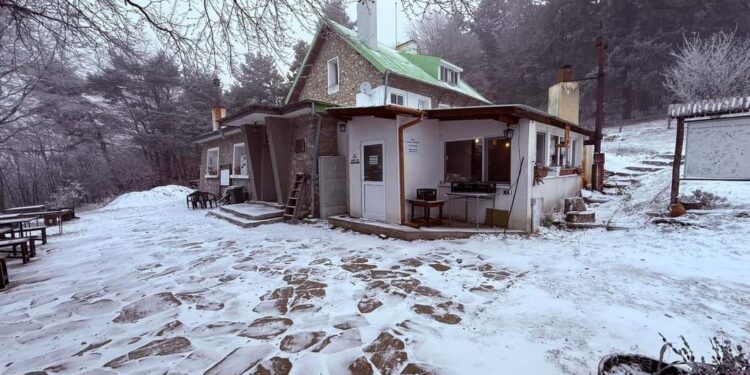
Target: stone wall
point(226, 152)
point(303, 128)
point(353, 70)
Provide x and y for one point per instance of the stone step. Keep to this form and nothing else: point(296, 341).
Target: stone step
point(623, 174)
point(611, 185)
point(643, 169)
point(252, 211)
point(242, 222)
point(661, 163)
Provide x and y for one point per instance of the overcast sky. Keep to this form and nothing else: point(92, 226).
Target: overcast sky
point(388, 21)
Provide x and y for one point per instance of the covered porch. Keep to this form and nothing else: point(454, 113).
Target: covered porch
point(475, 164)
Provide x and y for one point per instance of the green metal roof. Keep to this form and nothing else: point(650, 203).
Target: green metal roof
point(421, 68)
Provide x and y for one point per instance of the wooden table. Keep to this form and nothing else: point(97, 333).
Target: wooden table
point(16, 225)
point(427, 207)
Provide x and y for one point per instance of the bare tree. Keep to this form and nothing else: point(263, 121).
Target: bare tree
point(710, 68)
point(210, 33)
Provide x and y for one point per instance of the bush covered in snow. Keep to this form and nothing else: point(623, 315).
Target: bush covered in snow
point(707, 199)
point(726, 359)
point(69, 195)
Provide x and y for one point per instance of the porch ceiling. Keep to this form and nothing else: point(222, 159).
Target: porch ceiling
point(510, 114)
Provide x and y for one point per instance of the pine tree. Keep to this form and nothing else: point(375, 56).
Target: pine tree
point(335, 10)
point(258, 82)
point(300, 51)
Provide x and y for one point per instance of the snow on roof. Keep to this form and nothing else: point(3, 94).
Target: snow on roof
point(711, 107)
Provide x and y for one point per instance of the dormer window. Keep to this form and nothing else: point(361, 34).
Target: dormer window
point(449, 75)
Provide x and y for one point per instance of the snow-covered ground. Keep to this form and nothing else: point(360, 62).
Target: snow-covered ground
point(146, 286)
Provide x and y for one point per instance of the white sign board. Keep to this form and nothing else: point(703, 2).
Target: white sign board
point(412, 146)
point(224, 177)
point(718, 149)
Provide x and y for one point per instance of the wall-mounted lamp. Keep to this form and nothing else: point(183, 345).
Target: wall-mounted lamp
point(508, 133)
point(342, 127)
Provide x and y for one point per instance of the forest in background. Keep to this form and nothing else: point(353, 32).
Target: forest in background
point(72, 129)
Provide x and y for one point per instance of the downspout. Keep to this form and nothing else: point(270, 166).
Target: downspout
point(385, 86)
point(401, 168)
point(316, 156)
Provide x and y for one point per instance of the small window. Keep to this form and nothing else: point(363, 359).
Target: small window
point(421, 104)
point(463, 160)
point(449, 75)
point(397, 99)
point(333, 75)
point(541, 148)
point(239, 160)
point(212, 162)
point(299, 146)
point(554, 151)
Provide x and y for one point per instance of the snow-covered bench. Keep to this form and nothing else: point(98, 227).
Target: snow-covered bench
point(26, 245)
point(42, 229)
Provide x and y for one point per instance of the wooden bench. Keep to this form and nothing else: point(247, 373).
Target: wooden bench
point(28, 248)
point(4, 280)
point(36, 228)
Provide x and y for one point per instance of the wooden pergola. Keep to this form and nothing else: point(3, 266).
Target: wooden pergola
point(712, 109)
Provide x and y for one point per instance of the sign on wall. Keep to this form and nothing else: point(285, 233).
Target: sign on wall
point(412, 146)
point(718, 149)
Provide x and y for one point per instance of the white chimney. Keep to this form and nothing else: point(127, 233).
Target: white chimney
point(367, 22)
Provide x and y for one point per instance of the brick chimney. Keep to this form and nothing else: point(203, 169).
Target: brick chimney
point(563, 99)
point(217, 111)
point(367, 22)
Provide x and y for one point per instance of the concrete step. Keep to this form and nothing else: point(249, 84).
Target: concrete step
point(251, 211)
point(269, 204)
point(242, 222)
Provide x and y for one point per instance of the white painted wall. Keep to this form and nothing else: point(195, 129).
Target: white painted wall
point(425, 167)
point(365, 129)
point(422, 169)
point(411, 99)
point(555, 189)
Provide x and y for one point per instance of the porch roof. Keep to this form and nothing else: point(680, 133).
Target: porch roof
point(264, 110)
point(382, 111)
point(508, 113)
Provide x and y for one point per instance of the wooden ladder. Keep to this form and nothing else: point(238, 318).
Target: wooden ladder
point(291, 211)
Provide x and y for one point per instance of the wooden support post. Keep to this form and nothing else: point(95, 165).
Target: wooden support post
point(674, 196)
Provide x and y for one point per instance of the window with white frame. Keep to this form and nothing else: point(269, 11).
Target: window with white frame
point(239, 161)
point(397, 99)
point(541, 148)
point(574, 161)
point(421, 104)
point(333, 75)
point(554, 151)
point(212, 162)
point(449, 75)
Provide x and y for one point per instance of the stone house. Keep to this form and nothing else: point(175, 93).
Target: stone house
point(263, 148)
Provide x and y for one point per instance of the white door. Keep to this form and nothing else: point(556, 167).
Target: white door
point(373, 185)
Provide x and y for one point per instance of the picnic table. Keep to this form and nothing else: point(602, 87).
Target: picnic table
point(25, 209)
point(16, 225)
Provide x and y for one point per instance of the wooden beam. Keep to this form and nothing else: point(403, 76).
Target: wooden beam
point(677, 163)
